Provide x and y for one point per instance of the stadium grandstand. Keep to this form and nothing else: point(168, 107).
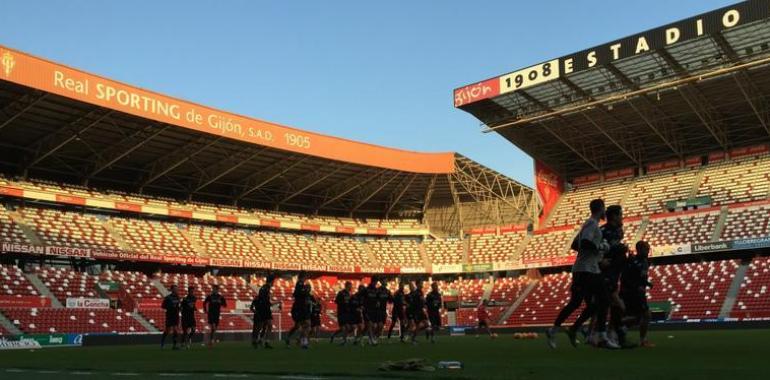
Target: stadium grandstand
point(111, 193)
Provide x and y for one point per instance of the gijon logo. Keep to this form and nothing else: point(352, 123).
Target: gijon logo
point(8, 62)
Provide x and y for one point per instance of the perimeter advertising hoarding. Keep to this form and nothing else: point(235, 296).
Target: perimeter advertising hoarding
point(707, 23)
point(27, 342)
point(730, 245)
point(40, 74)
point(88, 303)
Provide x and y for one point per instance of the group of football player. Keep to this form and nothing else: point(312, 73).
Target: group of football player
point(609, 281)
point(364, 313)
point(186, 307)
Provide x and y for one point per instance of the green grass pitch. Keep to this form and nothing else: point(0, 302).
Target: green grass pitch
point(715, 354)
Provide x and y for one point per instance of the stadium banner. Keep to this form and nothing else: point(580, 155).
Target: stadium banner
point(314, 267)
point(393, 270)
point(287, 266)
point(88, 303)
point(108, 286)
point(217, 262)
point(143, 303)
point(671, 250)
point(412, 270)
point(191, 214)
point(22, 248)
point(712, 22)
point(24, 301)
point(20, 343)
point(40, 74)
point(341, 268)
point(486, 267)
point(506, 265)
point(447, 268)
point(242, 305)
point(729, 245)
point(55, 340)
point(563, 260)
point(549, 188)
point(368, 269)
point(256, 264)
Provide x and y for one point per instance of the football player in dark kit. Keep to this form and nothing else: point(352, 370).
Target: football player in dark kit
point(433, 303)
point(587, 284)
point(212, 306)
point(633, 290)
point(300, 311)
point(342, 300)
point(397, 313)
point(417, 307)
point(188, 316)
point(383, 297)
point(356, 308)
point(315, 316)
point(171, 303)
point(370, 309)
point(263, 316)
point(612, 266)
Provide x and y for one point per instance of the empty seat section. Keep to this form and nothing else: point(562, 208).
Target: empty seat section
point(225, 242)
point(737, 181)
point(548, 245)
point(344, 250)
point(289, 248)
point(10, 232)
point(748, 222)
point(13, 282)
point(495, 248)
point(753, 301)
point(650, 193)
point(444, 251)
point(396, 252)
point(681, 229)
point(69, 229)
point(573, 207)
point(47, 320)
point(66, 283)
point(695, 290)
point(154, 237)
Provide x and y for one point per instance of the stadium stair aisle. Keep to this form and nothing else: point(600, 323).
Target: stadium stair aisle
point(197, 246)
point(734, 290)
point(721, 222)
point(371, 256)
point(43, 290)
point(697, 182)
point(426, 262)
point(26, 228)
point(487, 287)
point(261, 248)
point(466, 251)
point(513, 306)
point(8, 326)
point(116, 235)
point(144, 322)
point(159, 285)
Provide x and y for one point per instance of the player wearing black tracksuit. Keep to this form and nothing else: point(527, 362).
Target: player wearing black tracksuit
point(433, 303)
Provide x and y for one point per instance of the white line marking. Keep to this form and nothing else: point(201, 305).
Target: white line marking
point(230, 375)
point(81, 373)
point(124, 374)
point(172, 374)
point(47, 371)
point(15, 370)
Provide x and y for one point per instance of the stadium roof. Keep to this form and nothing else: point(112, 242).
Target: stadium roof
point(685, 89)
point(66, 125)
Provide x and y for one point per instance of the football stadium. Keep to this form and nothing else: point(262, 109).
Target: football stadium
point(146, 235)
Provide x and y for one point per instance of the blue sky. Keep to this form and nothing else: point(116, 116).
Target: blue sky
point(375, 71)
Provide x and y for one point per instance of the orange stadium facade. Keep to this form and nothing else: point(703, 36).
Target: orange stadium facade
point(48, 76)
